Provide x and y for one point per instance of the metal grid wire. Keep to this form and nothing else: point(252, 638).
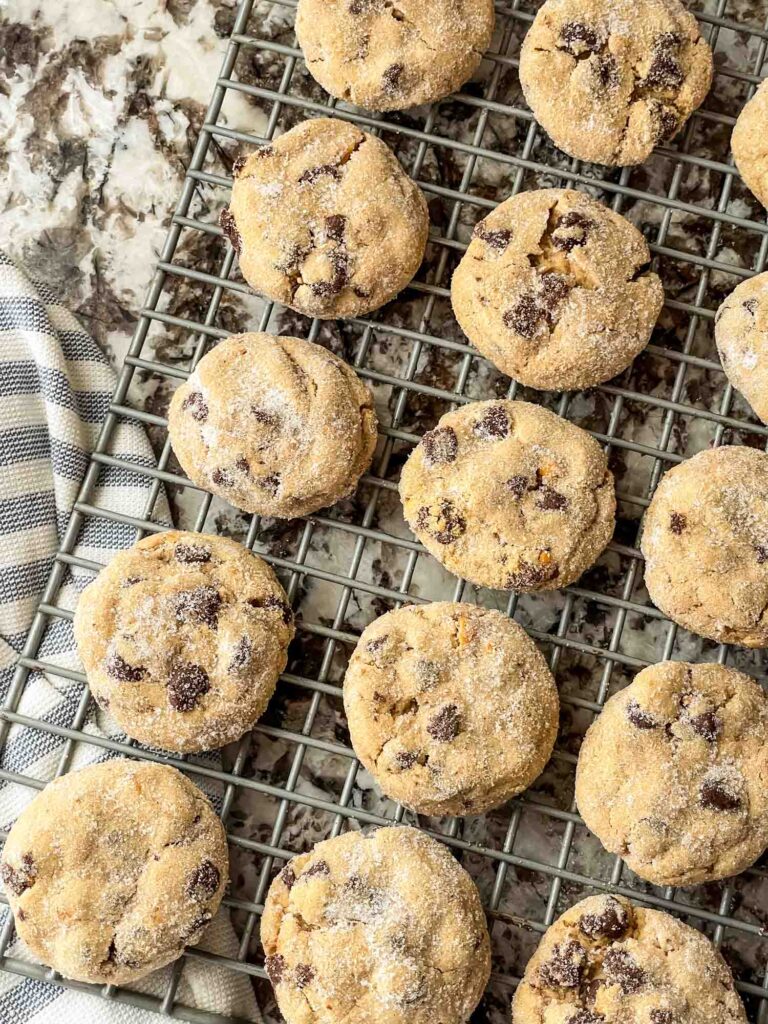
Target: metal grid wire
point(533, 857)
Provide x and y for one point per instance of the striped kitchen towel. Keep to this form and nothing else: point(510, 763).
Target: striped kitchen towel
point(55, 390)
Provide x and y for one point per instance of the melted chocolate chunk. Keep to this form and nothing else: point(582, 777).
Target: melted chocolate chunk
point(611, 923)
point(665, 72)
point(204, 881)
point(518, 485)
point(716, 795)
point(241, 654)
point(222, 477)
point(677, 522)
point(446, 525)
point(288, 876)
point(572, 230)
point(528, 575)
point(191, 554)
point(526, 317)
point(577, 37)
point(666, 121)
point(554, 289)
point(275, 968)
point(228, 226)
point(320, 867)
point(304, 975)
point(707, 725)
point(750, 305)
point(493, 425)
point(551, 500)
point(623, 970)
point(762, 554)
point(313, 174)
point(406, 759)
point(664, 1017)
point(276, 604)
point(19, 879)
point(640, 718)
point(119, 669)
point(392, 76)
point(566, 965)
point(440, 446)
point(187, 683)
point(196, 406)
point(242, 464)
point(445, 725)
point(586, 1017)
point(497, 239)
point(606, 71)
point(199, 605)
point(269, 483)
point(335, 226)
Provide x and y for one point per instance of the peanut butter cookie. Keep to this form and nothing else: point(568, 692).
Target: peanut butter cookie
point(741, 333)
point(750, 146)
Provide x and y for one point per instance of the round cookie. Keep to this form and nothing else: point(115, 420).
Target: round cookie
point(610, 79)
point(671, 775)
point(451, 707)
point(555, 290)
point(749, 145)
point(112, 870)
point(608, 961)
point(705, 544)
point(383, 56)
point(182, 638)
point(384, 926)
point(276, 426)
point(741, 333)
point(510, 496)
point(326, 221)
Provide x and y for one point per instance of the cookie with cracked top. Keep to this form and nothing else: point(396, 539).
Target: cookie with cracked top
point(510, 496)
point(451, 707)
point(705, 544)
point(393, 54)
point(112, 870)
point(671, 775)
point(741, 334)
point(182, 638)
point(555, 289)
point(326, 221)
point(748, 144)
point(610, 79)
point(277, 426)
point(609, 961)
point(381, 926)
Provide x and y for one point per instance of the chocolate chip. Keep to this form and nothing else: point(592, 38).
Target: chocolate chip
point(276, 604)
point(707, 725)
point(304, 975)
point(191, 554)
point(762, 554)
point(589, 989)
point(241, 654)
point(186, 685)
point(622, 969)
point(528, 575)
point(228, 226)
point(313, 174)
point(376, 644)
point(406, 759)
point(268, 419)
point(611, 923)
point(606, 71)
point(493, 424)
point(269, 483)
point(715, 794)
point(586, 1017)
point(667, 41)
point(238, 165)
point(222, 477)
point(242, 464)
point(204, 881)
point(677, 522)
point(518, 485)
point(440, 446)
point(119, 669)
point(750, 305)
point(288, 876)
point(664, 1017)
point(196, 406)
point(275, 968)
point(320, 867)
point(572, 230)
point(664, 72)
point(551, 500)
point(19, 879)
point(639, 718)
point(334, 227)
point(199, 922)
point(553, 288)
point(199, 605)
point(666, 121)
point(526, 317)
point(131, 581)
point(566, 965)
point(445, 725)
point(579, 38)
point(497, 239)
point(391, 77)
point(446, 525)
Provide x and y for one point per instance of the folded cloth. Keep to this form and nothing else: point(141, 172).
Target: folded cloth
point(55, 390)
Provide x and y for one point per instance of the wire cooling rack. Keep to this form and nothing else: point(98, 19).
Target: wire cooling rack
point(533, 857)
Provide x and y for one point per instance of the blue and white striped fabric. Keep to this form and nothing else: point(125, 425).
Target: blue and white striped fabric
point(55, 389)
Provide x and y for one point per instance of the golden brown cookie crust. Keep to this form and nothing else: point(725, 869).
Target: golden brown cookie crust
point(451, 707)
point(112, 870)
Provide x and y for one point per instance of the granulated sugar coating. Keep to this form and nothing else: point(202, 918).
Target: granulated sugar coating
point(277, 426)
point(183, 637)
point(750, 148)
point(510, 496)
point(382, 928)
point(555, 289)
point(705, 543)
point(607, 961)
point(326, 221)
point(451, 707)
point(610, 79)
point(387, 55)
point(111, 871)
point(741, 333)
point(671, 775)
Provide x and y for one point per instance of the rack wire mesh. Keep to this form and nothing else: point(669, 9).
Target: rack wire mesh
point(533, 857)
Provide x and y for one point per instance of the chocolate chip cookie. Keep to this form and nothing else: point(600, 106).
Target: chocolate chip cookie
point(112, 870)
point(326, 221)
point(705, 543)
point(555, 289)
point(510, 496)
point(183, 637)
point(384, 926)
point(749, 145)
point(610, 79)
point(451, 707)
point(741, 333)
point(607, 961)
point(671, 775)
point(277, 426)
point(388, 56)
